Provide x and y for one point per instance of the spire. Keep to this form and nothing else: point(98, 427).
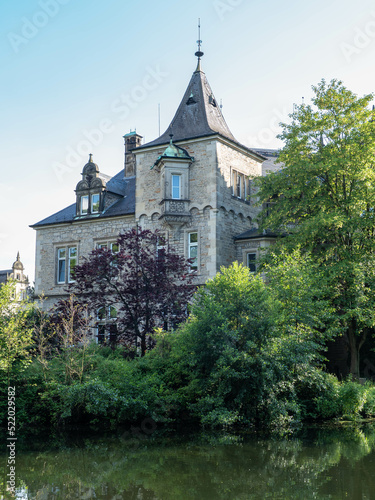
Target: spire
point(199, 53)
point(198, 115)
point(18, 264)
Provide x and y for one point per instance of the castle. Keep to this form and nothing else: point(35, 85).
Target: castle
point(193, 184)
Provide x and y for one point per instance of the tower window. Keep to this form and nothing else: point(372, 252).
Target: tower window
point(193, 251)
point(176, 187)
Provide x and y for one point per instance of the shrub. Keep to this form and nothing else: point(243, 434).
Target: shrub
point(353, 398)
point(368, 409)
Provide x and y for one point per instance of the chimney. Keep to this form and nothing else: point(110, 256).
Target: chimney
point(132, 140)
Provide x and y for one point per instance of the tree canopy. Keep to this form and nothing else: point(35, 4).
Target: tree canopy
point(147, 283)
point(324, 200)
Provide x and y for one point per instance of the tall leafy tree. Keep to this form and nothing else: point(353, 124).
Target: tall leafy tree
point(324, 199)
point(15, 334)
point(145, 281)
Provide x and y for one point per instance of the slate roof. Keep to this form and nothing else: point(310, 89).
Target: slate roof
point(256, 233)
point(124, 187)
point(271, 164)
point(198, 115)
point(4, 275)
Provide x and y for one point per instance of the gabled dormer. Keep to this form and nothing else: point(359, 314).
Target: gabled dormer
point(90, 191)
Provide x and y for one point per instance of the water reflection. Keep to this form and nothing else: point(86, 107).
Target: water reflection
point(322, 464)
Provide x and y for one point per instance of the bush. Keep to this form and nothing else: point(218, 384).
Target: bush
point(318, 394)
point(368, 409)
point(353, 398)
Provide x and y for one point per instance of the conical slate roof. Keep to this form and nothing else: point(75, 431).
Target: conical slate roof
point(198, 114)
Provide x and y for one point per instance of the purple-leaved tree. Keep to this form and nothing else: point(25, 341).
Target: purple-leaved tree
point(147, 283)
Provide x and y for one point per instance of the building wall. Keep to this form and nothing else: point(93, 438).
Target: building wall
point(84, 234)
point(213, 212)
point(235, 215)
point(216, 214)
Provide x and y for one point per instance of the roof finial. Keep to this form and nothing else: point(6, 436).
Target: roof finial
point(199, 53)
point(171, 136)
point(90, 158)
point(18, 255)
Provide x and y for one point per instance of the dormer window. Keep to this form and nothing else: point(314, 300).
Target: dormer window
point(95, 203)
point(90, 191)
point(84, 205)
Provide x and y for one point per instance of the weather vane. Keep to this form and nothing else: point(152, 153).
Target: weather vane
point(199, 53)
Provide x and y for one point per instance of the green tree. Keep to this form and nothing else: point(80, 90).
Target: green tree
point(234, 361)
point(15, 335)
point(324, 199)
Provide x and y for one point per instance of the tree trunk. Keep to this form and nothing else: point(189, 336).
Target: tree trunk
point(143, 345)
point(354, 352)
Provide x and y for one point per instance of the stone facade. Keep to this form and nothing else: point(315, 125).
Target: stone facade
point(85, 236)
point(193, 184)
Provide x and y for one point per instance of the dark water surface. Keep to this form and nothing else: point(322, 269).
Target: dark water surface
point(140, 464)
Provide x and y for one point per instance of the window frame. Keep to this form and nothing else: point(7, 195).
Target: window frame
point(254, 252)
point(179, 187)
point(84, 198)
point(240, 185)
point(107, 244)
point(96, 203)
point(88, 200)
point(190, 245)
point(64, 264)
point(106, 329)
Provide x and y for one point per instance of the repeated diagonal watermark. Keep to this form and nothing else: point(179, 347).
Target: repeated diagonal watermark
point(363, 36)
point(31, 26)
point(121, 108)
point(225, 7)
point(267, 135)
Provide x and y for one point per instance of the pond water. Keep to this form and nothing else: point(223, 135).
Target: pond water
point(151, 464)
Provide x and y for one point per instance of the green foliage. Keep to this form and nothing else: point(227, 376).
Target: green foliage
point(353, 398)
point(369, 406)
point(324, 198)
point(15, 336)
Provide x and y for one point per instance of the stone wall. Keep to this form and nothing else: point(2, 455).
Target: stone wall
point(83, 234)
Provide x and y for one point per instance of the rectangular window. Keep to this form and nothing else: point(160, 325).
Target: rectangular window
point(176, 187)
point(240, 186)
point(72, 262)
point(95, 199)
point(114, 247)
point(193, 251)
point(234, 182)
point(61, 256)
point(66, 262)
point(84, 205)
point(251, 260)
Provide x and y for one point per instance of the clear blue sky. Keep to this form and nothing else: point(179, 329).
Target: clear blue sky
point(67, 67)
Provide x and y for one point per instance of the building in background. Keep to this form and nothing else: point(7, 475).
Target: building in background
point(17, 275)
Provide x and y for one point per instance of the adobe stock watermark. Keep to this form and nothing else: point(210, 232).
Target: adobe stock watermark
point(268, 134)
point(121, 108)
point(362, 38)
point(32, 26)
point(224, 7)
